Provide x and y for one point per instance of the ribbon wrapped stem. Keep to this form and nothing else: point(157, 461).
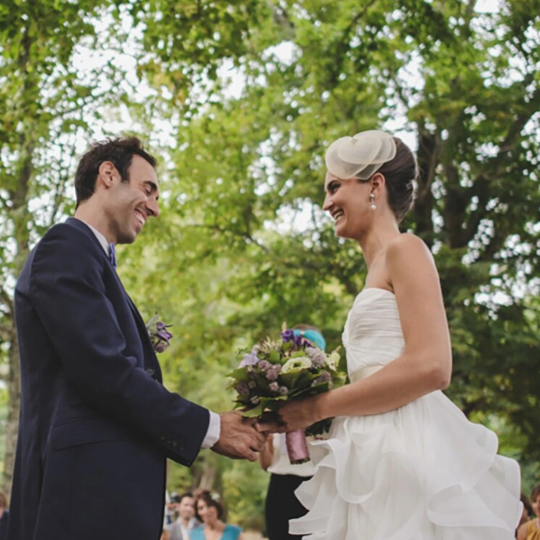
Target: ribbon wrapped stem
point(297, 447)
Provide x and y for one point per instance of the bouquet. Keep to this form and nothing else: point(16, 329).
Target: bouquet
point(274, 372)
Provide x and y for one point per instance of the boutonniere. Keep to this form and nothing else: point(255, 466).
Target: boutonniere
point(159, 335)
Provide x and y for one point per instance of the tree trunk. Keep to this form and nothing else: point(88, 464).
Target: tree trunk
point(21, 217)
point(14, 404)
point(208, 478)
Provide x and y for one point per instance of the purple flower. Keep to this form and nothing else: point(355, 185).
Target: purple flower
point(322, 378)
point(317, 357)
point(242, 388)
point(160, 346)
point(283, 390)
point(294, 336)
point(265, 365)
point(162, 330)
point(274, 386)
point(271, 375)
point(325, 376)
point(250, 359)
point(252, 385)
point(287, 335)
point(255, 400)
point(159, 335)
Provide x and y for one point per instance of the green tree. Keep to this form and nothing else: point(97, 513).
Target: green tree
point(466, 84)
point(46, 105)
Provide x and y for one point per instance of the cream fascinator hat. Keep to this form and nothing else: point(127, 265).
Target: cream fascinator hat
point(360, 156)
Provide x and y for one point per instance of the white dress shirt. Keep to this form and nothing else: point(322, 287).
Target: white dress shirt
point(214, 427)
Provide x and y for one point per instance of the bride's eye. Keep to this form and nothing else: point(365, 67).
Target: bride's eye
point(333, 187)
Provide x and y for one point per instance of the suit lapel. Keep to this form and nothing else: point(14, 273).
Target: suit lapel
point(151, 363)
point(150, 360)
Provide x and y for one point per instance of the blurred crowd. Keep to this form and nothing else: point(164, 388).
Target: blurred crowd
point(197, 516)
point(201, 516)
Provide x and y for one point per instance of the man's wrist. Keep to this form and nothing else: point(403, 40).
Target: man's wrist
point(214, 431)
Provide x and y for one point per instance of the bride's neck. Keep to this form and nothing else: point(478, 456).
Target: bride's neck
point(374, 242)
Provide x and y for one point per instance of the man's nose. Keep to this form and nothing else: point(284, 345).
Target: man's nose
point(153, 207)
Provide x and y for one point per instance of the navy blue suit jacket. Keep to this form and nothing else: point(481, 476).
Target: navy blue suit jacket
point(96, 422)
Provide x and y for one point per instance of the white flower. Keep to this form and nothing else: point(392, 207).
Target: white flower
point(333, 360)
point(296, 364)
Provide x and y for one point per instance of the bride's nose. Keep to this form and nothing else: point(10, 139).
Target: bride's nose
point(328, 203)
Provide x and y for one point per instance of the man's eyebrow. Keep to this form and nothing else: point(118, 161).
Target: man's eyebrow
point(153, 186)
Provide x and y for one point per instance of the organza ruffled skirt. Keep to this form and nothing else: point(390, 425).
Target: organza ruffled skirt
point(421, 472)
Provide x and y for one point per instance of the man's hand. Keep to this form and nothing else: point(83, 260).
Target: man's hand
point(239, 439)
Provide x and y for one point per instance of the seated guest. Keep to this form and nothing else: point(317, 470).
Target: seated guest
point(186, 522)
point(211, 513)
point(528, 512)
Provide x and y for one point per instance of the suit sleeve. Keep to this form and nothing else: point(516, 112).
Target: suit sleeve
point(68, 293)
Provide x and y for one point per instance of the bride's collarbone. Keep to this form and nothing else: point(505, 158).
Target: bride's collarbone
point(378, 278)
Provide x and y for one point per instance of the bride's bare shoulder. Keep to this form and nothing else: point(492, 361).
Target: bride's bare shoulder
point(408, 254)
point(407, 244)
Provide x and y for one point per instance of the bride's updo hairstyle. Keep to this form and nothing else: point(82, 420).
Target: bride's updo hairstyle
point(374, 151)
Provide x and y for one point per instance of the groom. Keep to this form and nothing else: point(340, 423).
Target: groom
point(96, 423)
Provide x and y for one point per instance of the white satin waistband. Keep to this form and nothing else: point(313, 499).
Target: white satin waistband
point(364, 373)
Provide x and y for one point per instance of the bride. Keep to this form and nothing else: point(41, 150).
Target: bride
point(402, 461)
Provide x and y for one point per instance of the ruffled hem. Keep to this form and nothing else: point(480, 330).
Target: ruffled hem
point(421, 472)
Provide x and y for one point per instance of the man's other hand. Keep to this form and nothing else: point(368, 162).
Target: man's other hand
point(239, 439)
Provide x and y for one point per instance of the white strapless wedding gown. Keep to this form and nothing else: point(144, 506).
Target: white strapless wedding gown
point(420, 472)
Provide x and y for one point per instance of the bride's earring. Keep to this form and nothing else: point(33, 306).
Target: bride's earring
point(372, 200)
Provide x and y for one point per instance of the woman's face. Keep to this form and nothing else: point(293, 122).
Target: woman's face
point(207, 513)
point(349, 204)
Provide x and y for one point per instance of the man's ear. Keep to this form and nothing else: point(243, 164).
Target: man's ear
point(107, 173)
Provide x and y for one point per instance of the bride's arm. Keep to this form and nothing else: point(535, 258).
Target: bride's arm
point(426, 362)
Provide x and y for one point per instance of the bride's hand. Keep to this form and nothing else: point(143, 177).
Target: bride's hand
point(301, 413)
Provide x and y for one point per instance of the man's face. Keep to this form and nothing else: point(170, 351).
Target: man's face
point(130, 204)
point(186, 508)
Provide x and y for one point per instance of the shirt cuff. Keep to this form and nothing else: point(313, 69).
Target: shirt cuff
point(214, 431)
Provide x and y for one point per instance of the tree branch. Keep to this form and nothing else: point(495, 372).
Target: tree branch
point(242, 234)
point(494, 171)
point(8, 301)
point(6, 332)
point(429, 151)
point(343, 45)
point(281, 18)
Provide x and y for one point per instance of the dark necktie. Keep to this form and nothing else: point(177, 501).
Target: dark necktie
point(112, 254)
